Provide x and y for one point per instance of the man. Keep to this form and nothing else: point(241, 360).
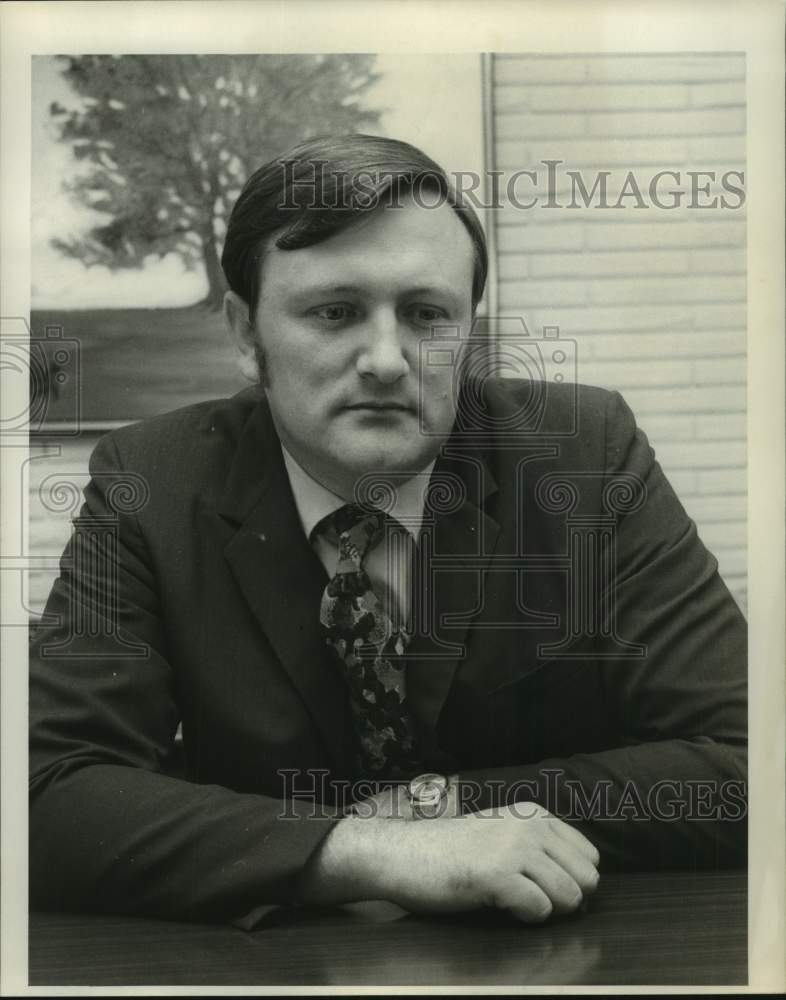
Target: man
point(378, 563)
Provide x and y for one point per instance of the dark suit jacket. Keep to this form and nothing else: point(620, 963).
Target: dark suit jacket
point(618, 702)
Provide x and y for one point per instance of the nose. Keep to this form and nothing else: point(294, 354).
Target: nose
point(382, 355)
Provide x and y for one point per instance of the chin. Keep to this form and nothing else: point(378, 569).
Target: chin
point(391, 456)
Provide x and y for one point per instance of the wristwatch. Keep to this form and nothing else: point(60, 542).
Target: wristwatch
point(429, 795)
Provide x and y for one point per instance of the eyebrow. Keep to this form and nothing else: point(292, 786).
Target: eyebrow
point(441, 291)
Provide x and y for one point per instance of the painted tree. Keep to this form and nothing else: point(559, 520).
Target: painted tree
point(167, 141)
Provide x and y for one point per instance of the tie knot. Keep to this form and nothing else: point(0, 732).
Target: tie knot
point(353, 528)
point(351, 517)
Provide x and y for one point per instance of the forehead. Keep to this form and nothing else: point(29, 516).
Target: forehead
point(392, 248)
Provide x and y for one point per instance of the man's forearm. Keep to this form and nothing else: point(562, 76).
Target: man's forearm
point(122, 839)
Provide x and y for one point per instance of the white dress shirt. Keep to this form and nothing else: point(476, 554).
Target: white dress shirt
point(390, 565)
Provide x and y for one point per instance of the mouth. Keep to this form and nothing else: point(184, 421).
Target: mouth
point(377, 407)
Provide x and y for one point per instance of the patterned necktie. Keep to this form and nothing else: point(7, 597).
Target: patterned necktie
point(368, 649)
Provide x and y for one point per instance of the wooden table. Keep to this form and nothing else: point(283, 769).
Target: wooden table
point(642, 929)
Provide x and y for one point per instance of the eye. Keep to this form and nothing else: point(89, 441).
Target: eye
point(334, 313)
point(424, 315)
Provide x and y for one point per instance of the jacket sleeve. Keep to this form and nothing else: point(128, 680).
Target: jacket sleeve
point(672, 793)
point(109, 828)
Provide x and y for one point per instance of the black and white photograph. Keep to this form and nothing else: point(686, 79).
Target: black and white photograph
point(393, 542)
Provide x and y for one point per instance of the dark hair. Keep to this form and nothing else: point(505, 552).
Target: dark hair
point(321, 187)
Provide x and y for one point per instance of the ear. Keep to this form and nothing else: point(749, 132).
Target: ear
point(243, 334)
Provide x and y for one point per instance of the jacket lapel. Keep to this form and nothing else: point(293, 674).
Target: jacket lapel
point(454, 551)
point(280, 575)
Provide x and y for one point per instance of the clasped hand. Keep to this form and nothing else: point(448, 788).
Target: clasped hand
point(517, 858)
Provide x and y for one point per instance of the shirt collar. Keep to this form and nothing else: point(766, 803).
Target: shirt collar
point(315, 501)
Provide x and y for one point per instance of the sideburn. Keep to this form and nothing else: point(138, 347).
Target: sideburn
point(259, 356)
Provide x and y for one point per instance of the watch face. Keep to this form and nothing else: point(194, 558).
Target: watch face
point(426, 792)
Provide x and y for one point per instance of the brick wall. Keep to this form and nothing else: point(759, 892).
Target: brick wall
point(655, 298)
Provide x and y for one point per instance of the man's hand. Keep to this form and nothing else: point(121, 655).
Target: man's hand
point(519, 858)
